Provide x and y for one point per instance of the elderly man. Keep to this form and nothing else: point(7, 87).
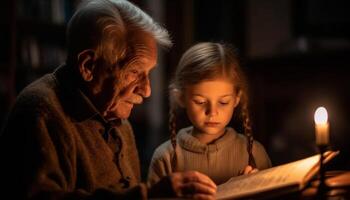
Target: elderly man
point(67, 136)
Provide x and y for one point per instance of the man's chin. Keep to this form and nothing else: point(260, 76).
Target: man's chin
point(117, 115)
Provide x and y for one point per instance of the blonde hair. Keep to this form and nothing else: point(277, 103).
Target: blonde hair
point(206, 61)
point(104, 25)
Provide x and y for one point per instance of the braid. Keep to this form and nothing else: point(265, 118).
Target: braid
point(248, 130)
point(172, 129)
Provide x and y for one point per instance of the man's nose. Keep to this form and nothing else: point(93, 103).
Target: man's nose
point(144, 87)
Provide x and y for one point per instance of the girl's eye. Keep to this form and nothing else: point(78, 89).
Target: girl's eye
point(224, 103)
point(199, 102)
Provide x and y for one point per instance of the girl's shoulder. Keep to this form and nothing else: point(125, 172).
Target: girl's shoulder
point(242, 139)
point(166, 149)
point(163, 150)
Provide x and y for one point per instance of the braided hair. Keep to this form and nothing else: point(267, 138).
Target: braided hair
point(206, 61)
point(172, 129)
point(247, 129)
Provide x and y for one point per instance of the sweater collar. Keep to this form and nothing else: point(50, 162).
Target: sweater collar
point(187, 141)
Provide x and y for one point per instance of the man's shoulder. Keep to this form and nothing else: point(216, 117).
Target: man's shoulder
point(38, 94)
point(43, 85)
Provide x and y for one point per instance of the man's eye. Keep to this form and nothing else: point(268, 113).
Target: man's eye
point(134, 71)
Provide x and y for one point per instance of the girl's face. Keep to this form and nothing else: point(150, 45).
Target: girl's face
point(210, 105)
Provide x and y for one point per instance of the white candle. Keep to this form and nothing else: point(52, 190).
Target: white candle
point(321, 126)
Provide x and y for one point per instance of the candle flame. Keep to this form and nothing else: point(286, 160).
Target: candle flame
point(321, 116)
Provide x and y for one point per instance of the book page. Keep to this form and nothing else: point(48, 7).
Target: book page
point(287, 175)
point(280, 179)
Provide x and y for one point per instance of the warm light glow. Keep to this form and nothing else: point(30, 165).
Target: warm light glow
point(321, 116)
point(321, 126)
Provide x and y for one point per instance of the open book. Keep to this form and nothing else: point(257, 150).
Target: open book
point(277, 180)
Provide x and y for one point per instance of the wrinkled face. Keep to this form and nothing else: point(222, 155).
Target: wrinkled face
point(210, 105)
point(119, 88)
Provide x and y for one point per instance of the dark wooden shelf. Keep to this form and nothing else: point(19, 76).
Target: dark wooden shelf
point(48, 32)
point(336, 58)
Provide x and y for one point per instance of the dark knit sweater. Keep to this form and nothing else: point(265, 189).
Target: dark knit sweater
point(55, 145)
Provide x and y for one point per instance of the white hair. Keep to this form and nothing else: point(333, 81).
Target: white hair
point(104, 24)
point(141, 20)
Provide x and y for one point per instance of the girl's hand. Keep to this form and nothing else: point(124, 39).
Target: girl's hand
point(248, 170)
point(190, 184)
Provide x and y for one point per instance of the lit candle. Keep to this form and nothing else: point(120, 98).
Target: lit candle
point(321, 126)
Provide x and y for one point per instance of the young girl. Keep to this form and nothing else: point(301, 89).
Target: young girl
point(210, 86)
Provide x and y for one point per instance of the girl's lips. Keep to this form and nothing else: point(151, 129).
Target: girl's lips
point(211, 123)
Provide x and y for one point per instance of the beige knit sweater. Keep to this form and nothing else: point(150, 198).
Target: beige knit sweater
point(220, 160)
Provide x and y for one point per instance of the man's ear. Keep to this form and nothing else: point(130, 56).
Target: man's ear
point(86, 64)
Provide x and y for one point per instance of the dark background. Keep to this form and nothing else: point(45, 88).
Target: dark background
point(295, 54)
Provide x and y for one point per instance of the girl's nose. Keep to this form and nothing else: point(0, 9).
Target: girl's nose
point(211, 110)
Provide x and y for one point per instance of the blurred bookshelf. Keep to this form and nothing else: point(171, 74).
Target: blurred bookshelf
point(40, 35)
point(7, 56)
point(33, 39)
